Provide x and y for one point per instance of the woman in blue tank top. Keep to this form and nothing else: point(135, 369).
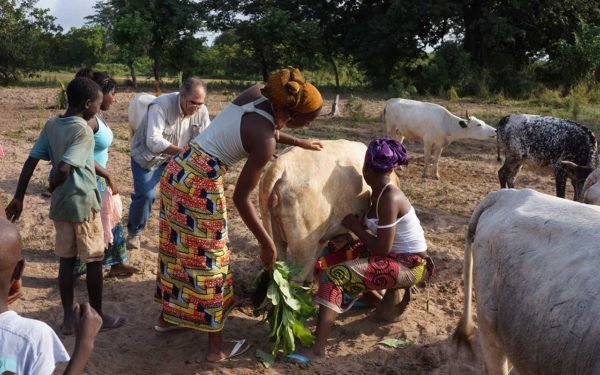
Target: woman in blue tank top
point(116, 253)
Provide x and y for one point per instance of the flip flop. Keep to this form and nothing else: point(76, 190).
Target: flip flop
point(117, 323)
point(239, 348)
point(168, 328)
point(298, 358)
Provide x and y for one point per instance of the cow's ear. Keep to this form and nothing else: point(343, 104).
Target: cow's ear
point(462, 124)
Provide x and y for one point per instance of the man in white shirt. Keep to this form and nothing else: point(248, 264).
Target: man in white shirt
point(29, 346)
point(172, 120)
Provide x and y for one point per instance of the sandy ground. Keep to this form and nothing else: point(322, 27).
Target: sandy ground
point(468, 171)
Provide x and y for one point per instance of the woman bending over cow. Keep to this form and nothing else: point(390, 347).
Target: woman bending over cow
point(194, 283)
point(391, 251)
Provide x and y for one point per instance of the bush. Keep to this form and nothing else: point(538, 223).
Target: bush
point(61, 96)
point(355, 108)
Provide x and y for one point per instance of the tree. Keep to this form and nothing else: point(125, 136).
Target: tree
point(153, 27)
point(132, 34)
point(27, 34)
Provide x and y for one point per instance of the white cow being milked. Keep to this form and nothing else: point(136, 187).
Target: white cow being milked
point(432, 123)
point(533, 259)
point(138, 106)
point(304, 195)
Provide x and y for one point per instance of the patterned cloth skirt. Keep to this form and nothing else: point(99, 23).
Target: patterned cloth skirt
point(116, 252)
point(194, 284)
point(349, 273)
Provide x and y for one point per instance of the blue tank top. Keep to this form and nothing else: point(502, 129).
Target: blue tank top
point(102, 140)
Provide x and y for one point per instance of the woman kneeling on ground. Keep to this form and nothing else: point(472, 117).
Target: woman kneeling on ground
point(194, 284)
point(391, 252)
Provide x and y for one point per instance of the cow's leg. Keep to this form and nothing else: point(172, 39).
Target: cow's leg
point(427, 153)
point(437, 152)
point(560, 174)
point(508, 172)
point(496, 362)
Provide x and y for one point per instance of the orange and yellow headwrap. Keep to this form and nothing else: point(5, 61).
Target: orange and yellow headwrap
point(287, 89)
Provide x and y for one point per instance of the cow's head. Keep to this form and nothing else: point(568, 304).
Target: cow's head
point(586, 181)
point(476, 128)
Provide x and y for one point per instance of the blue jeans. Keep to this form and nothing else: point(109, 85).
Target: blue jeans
point(143, 196)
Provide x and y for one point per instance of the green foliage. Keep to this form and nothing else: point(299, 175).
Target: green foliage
point(286, 308)
point(396, 343)
point(61, 96)
point(355, 108)
point(83, 46)
point(27, 39)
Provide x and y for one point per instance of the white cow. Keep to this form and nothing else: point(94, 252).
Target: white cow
point(138, 106)
point(534, 259)
point(304, 195)
point(413, 120)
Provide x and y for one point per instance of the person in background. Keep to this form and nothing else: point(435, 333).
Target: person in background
point(171, 121)
point(68, 142)
point(194, 283)
point(115, 254)
point(29, 346)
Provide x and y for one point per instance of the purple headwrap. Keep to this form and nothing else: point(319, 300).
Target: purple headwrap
point(385, 154)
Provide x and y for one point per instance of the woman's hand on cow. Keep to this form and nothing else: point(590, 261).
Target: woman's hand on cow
point(310, 144)
point(268, 255)
point(351, 222)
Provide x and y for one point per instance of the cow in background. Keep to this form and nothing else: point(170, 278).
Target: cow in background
point(590, 193)
point(544, 141)
point(533, 259)
point(434, 124)
point(304, 195)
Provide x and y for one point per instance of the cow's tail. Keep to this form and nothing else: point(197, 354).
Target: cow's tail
point(464, 331)
point(500, 128)
point(268, 196)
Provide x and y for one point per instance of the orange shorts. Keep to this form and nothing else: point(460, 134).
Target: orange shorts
point(85, 239)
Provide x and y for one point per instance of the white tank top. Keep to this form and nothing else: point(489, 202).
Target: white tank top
point(223, 139)
point(409, 237)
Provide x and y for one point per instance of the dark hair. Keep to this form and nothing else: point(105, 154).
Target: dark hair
point(103, 80)
point(81, 89)
point(192, 82)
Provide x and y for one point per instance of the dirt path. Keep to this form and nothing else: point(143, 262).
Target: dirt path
point(468, 171)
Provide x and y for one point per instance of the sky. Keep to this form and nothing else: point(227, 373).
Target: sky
point(69, 13)
point(72, 13)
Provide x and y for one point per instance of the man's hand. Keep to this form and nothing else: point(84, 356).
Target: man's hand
point(87, 324)
point(14, 209)
point(310, 144)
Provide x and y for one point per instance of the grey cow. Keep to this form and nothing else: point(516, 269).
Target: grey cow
point(544, 141)
point(533, 260)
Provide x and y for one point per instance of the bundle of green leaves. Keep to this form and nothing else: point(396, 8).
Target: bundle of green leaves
point(285, 306)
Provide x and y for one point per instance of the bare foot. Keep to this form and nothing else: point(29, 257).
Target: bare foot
point(122, 270)
point(111, 322)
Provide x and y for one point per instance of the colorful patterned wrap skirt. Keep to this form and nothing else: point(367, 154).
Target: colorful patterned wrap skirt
point(348, 273)
point(116, 252)
point(194, 284)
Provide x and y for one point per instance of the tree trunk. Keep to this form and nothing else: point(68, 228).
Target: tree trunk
point(132, 74)
point(474, 38)
point(335, 107)
point(156, 71)
point(264, 67)
point(335, 70)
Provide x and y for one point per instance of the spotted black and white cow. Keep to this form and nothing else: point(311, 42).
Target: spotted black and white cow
point(544, 141)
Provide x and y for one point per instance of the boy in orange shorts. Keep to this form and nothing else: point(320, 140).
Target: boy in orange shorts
point(67, 141)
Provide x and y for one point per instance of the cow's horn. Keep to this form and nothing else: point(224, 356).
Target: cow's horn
point(467, 113)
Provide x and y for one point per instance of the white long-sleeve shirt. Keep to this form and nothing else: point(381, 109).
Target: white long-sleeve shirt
point(164, 124)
